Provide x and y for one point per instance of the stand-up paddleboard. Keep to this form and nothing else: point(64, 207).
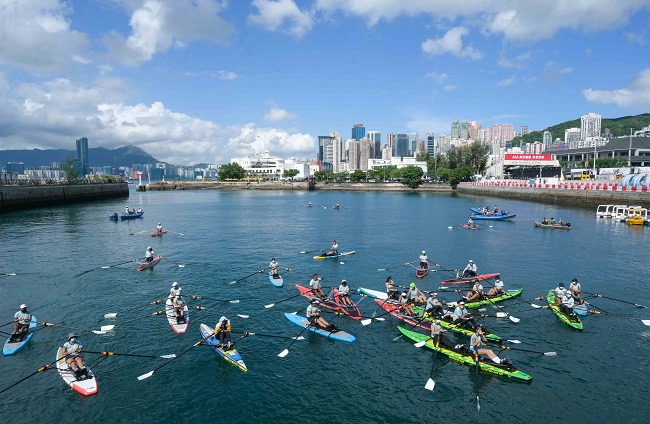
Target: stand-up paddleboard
point(277, 282)
point(11, 348)
point(373, 293)
point(230, 355)
point(85, 386)
point(303, 322)
point(176, 326)
point(325, 256)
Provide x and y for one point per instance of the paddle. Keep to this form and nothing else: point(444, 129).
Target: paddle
point(249, 275)
point(312, 251)
point(286, 351)
point(270, 305)
point(216, 300)
point(179, 265)
point(49, 324)
point(180, 234)
point(114, 314)
point(150, 373)
point(201, 308)
point(4, 325)
point(110, 327)
point(478, 402)
point(140, 232)
point(130, 354)
point(8, 275)
point(123, 263)
point(43, 368)
point(644, 321)
point(393, 267)
point(250, 333)
point(617, 300)
point(526, 350)
point(430, 382)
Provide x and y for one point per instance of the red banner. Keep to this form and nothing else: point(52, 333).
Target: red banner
point(527, 156)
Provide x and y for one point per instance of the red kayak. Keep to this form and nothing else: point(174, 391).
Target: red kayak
point(328, 303)
point(392, 308)
point(158, 234)
point(479, 277)
point(470, 227)
point(350, 310)
point(421, 272)
point(151, 264)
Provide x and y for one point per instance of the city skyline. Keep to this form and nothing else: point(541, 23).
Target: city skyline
point(204, 81)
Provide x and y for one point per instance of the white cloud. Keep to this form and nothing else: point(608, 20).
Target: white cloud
point(276, 115)
point(518, 62)
point(226, 75)
point(274, 140)
point(449, 87)
point(506, 82)
point(636, 38)
point(635, 95)
point(451, 43)
point(281, 15)
point(36, 35)
point(438, 78)
point(553, 72)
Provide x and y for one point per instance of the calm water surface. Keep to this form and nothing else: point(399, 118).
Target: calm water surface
point(599, 375)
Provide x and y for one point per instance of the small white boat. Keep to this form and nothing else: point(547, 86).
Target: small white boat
point(85, 386)
point(178, 327)
point(605, 211)
point(620, 212)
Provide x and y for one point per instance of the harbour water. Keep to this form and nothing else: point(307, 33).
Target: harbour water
point(599, 375)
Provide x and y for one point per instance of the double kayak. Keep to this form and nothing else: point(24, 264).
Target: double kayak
point(571, 320)
point(158, 234)
point(11, 347)
point(151, 264)
point(326, 302)
point(85, 385)
point(277, 282)
point(421, 272)
point(230, 355)
point(492, 299)
point(553, 226)
point(325, 255)
point(178, 327)
point(303, 322)
point(463, 356)
point(464, 280)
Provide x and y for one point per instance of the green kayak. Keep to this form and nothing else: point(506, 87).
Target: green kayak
point(488, 301)
point(571, 320)
point(463, 357)
point(456, 329)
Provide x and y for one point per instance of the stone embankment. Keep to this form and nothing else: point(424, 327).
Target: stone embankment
point(286, 185)
point(25, 197)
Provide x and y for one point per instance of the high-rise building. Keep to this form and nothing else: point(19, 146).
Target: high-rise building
point(473, 129)
point(82, 155)
point(547, 138)
point(358, 132)
point(413, 143)
point(590, 125)
point(366, 152)
point(375, 137)
point(455, 129)
point(524, 130)
point(503, 133)
point(353, 155)
point(572, 135)
point(431, 145)
point(325, 148)
point(400, 145)
point(338, 154)
point(464, 130)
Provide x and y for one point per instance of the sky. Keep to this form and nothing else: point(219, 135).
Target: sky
point(195, 81)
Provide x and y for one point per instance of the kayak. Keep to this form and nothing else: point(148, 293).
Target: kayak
point(303, 322)
point(151, 264)
point(319, 257)
point(230, 355)
point(11, 348)
point(479, 277)
point(171, 318)
point(129, 216)
point(571, 320)
point(85, 386)
point(552, 226)
point(492, 217)
point(158, 234)
point(376, 294)
point(449, 326)
point(470, 227)
point(277, 282)
point(351, 310)
point(490, 300)
point(327, 302)
point(463, 356)
point(421, 272)
point(391, 307)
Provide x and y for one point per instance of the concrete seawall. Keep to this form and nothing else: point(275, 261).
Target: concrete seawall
point(286, 185)
point(26, 197)
point(552, 195)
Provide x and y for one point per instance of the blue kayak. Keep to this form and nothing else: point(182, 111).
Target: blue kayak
point(499, 217)
point(303, 322)
point(230, 355)
point(13, 347)
point(277, 282)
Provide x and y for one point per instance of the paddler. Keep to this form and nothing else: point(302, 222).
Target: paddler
point(175, 290)
point(344, 294)
point(476, 341)
point(567, 304)
point(72, 352)
point(462, 317)
point(337, 206)
point(335, 249)
point(575, 288)
point(559, 293)
point(497, 289)
point(222, 330)
point(314, 318)
point(127, 211)
point(433, 306)
point(470, 270)
point(159, 228)
point(404, 305)
point(470, 222)
point(438, 338)
point(424, 260)
point(316, 287)
point(476, 293)
point(148, 255)
point(545, 221)
point(391, 291)
point(309, 205)
point(273, 266)
point(179, 309)
point(22, 318)
point(415, 295)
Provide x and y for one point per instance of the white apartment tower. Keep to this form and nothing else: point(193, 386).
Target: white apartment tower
point(590, 125)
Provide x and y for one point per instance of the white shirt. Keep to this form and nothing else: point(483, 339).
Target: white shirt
point(72, 349)
point(477, 288)
point(575, 287)
point(335, 247)
point(559, 292)
point(23, 317)
point(424, 258)
point(568, 301)
point(175, 291)
point(470, 267)
point(344, 289)
point(273, 265)
point(148, 254)
point(314, 284)
point(498, 284)
point(312, 310)
point(159, 227)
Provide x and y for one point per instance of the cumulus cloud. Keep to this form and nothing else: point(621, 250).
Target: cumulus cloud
point(438, 78)
point(226, 75)
point(451, 43)
point(449, 87)
point(276, 141)
point(36, 35)
point(276, 115)
point(635, 95)
point(636, 38)
point(281, 15)
point(553, 72)
point(506, 82)
point(519, 61)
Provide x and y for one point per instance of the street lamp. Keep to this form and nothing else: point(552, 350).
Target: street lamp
point(629, 152)
point(595, 144)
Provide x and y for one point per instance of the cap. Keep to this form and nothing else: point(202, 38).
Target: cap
point(462, 303)
point(315, 301)
point(405, 293)
point(437, 321)
point(223, 318)
point(471, 261)
point(432, 293)
point(174, 284)
point(23, 306)
point(159, 223)
point(424, 253)
point(561, 285)
point(72, 335)
point(149, 248)
point(575, 280)
point(343, 281)
point(412, 285)
point(478, 327)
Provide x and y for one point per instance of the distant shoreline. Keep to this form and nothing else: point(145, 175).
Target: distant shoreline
point(287, 185)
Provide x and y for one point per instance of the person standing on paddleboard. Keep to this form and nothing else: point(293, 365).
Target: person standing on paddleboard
point(22, 318)
point(72, 351)
point(149, 254)
point(316, 287)
point(223, 330)
point(273, 266)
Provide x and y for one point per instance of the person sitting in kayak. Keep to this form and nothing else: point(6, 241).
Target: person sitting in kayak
point(179, 309)
point(337, 206)
point(159, 228)
point(567, 304)
point(222, 330)
point(132, 212)
point(470, 222)
point(344, 294)
point(496, 209)
point(438, 338)
point(575, 288)
point(470, 270)
point(72, 352)
point(140, 210)
point(552, 221)
point(433, 307)
point(309, 205)
point(391, 291)
point(476, 293)
point(273, 266)
point(415, 295)
point(314, 318)
point(424, 260)
point(559, 293)
point(175, 291)
point(22, 318)
point(561, 222)
point(476, 343)
point(148, 255)
point(334, 250)
point(127, 211)
point(316, 287)
point(403, 304)
point(462, 317)
point(497, 289)
point(545, 221)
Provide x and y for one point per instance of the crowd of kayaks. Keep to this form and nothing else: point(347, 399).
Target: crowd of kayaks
point(485, 213)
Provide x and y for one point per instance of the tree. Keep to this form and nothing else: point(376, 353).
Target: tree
point(412, 176)
point(422, 156)
point(231, 171)
point(290, 173)
point(324, 175)
point(358, 175)
point(70, 170)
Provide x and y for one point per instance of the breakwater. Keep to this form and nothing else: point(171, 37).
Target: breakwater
point(25, 197)
point(287, 185)
point(591, 194)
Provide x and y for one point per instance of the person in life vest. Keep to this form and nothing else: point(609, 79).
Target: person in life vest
point(223, 330)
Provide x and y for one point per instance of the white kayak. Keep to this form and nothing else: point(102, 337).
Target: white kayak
point(373, 293)
point(85, 386)
point(173, 322)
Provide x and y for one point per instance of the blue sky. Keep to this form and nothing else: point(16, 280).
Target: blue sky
point(205, 80)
